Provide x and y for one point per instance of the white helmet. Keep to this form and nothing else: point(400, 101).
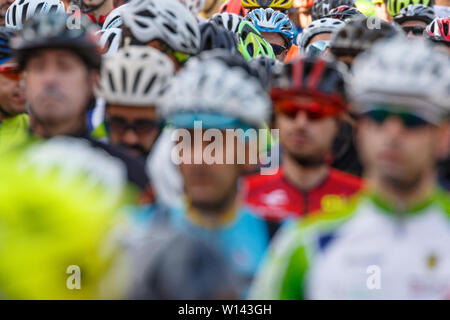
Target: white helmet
point(230, 21)
point(324, 25)
point(22, 10)
point(405, 73)
point(211, 86)
point(109, 41)
point(114, 18)
point(165, 20)
point(195, 6)
point(135, 75)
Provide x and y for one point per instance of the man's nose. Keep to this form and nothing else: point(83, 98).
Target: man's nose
point(301, 119)
point(393, 126)
point(130, 137)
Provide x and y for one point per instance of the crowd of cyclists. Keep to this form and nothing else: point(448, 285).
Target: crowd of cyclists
point(96, 97)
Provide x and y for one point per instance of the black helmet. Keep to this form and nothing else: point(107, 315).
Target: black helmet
point(264, 66)
point(415, 12)
point(344, 13)
point(5, 50)
point(312, 75)
point(357, 35)
point(52, 31)
point(214, 36)
point(322, 8)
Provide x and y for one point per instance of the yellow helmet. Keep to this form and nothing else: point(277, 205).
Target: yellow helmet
point(275, 4)
point(56, 233)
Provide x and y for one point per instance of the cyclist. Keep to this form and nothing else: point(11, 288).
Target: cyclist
point(309, 99)
point(276, 28)
point(22, 10)
point(395, 6)
point(395, 236)
point(166, 25)
point(315, 39)
point(62, 66)
point(96, 10)
point(414, 19)
point(304, 12)
point(358, 36)
point(211, 92)
point(438, 32)
point(13, 120)
point(131, 118)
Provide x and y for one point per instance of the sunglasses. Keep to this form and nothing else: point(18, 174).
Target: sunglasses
point(277, 49)
point(315, 110)
point(416, 30)
point(11, 71)
point(317, 48)
point(409, 120)
point(140, 127)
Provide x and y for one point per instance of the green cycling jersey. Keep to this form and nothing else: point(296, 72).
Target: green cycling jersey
point(13, 131)
point(363, 250)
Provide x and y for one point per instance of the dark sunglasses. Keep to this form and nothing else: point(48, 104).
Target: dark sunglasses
point(140, 127)
point(409, 120)
point(416, 30)
point(278, 49)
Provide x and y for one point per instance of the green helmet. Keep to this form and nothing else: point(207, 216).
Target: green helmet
point(251, 42)
point(394, 6)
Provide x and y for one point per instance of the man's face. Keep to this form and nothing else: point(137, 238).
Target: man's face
point(4, 5)
point(414, 28)
point(306, 140)
point(278, 43)
point(321, 37)
point(210, 186)
point(58, 86)
point(134, 128)
point(12, 97)
point(398, 155)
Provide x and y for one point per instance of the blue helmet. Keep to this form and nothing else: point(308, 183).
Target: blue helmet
point(269, 20)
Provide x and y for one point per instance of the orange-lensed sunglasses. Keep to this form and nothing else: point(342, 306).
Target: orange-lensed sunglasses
point(11, 71)
point(315, 109)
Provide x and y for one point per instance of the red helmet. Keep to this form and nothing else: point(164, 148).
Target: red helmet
point(439, 30)
point(233, 6)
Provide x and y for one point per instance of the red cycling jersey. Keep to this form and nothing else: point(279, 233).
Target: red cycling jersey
point(277, 199)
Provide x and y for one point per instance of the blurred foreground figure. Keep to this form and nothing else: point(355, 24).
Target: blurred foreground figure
point(392, 241)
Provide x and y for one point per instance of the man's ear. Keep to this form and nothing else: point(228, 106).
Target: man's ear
point(443, 145)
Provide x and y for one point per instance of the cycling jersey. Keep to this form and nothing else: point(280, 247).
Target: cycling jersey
point(13, 131)
point(362, 250)
point(242, 237)
point(277, 199)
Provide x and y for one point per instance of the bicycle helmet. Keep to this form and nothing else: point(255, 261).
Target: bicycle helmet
point(405, 73)
point(322, 8)
point(194, 6)
point(395, 6)
point(166, 20)
point(325, 25)
point(51, 31)
point(415, 12)
point(214, 36)
point(269, 20)
point(109, 41)
point(230, 21)
point(219, 96)
point(114, 18)
point(251, 44)
point(264, 67)
point(357, 36)
point(5, 50)
point(233, 6)
point(135, 76)
point(276, 4)
point(312, 76)
point(439, 30)
point(22, 10)
point(344, 13)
